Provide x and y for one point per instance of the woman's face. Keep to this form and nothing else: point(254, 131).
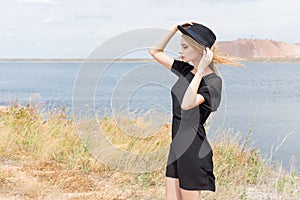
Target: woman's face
point(188, 53)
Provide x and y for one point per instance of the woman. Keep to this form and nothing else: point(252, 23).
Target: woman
point(195, 95)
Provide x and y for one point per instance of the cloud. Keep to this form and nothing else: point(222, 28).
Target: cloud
point(93, 16)
point(8, 34)
point(39, 2)
point(68, 49)
point(53, 20)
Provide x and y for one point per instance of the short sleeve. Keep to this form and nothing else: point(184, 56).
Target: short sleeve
point(181, 68)
point(211, 90)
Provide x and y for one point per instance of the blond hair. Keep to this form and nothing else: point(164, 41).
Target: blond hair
point(218, 56)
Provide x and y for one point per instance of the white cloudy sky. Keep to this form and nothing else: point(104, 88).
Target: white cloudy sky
point(73, 28)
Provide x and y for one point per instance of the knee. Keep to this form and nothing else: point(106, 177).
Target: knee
point(190, 195)
point(173, 194)
point(172, 189)
point(173, 197)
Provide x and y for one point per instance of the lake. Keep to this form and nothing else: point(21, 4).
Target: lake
point(263, 97)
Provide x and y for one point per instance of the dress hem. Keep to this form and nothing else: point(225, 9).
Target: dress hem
point(193, 189)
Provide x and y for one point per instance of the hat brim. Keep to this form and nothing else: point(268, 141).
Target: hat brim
point(196, 37)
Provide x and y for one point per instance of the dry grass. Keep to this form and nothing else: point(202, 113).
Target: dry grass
point(42, 157)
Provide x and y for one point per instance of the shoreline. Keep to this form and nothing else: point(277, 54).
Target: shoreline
point(81, 60)
point(76, 60)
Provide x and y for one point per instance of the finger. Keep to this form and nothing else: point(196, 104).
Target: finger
point(209, 52)
point(204, 53)
point(186, 24)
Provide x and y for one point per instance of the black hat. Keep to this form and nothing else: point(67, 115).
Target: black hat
point(200, 33)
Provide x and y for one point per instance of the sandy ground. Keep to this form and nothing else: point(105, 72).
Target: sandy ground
point(48, 180)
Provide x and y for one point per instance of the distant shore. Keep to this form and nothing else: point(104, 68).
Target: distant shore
point(81, 60)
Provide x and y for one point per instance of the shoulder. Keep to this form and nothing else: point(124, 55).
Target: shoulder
point(213, 78)
point(180, 67)
point(181, 64)
point(214, 81)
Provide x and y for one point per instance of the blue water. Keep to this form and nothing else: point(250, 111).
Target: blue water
point(263, 97)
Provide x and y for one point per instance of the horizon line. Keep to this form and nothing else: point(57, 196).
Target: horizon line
point(259, 59)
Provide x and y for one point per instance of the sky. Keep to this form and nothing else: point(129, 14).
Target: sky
point(74, 28)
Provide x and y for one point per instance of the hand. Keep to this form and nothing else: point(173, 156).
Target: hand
point(205, 60)
point(184, 24)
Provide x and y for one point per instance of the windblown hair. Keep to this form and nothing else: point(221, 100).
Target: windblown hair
point(218, 56)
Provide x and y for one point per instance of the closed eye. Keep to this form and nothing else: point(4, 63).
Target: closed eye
point(184, 46)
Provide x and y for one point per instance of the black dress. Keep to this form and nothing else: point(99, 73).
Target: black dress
point(190, 155)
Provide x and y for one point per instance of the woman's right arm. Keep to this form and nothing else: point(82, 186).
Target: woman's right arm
point(157, 51)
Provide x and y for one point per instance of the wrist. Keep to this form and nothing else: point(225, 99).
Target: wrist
point(201, 73)
point(175, 28)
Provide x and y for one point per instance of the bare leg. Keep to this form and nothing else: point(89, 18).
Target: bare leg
point(190, 194)
point(172, 189)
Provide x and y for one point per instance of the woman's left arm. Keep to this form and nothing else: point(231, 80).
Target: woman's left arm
point(191, 98)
